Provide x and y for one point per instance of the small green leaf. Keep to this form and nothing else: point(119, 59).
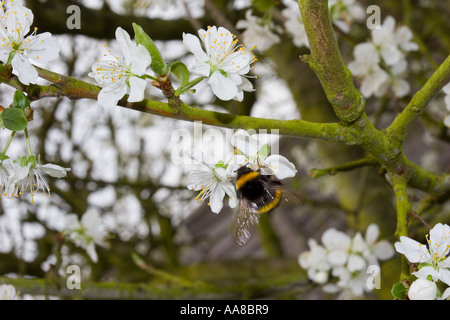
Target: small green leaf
point(264, 151)
point(157, 65)
point(398, 290)
point(219, 164)
point(180, 71)
point(20, 100)
point(14, 119)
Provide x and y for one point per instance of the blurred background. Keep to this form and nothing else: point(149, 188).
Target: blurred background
point(121, 163)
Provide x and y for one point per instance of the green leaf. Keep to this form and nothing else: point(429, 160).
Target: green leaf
point(180, 71)
point(20, 100)
point(399, 290)
point(264, 151)
point(219, 164)
point(157, 65)
point(14, 119)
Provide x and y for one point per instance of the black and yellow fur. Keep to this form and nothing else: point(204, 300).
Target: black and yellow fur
point(262, 193)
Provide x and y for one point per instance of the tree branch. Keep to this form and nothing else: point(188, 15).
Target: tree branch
point(399, 128)
point(316, 173)
point(400, 185)
point(326, 61)
point(74, 89)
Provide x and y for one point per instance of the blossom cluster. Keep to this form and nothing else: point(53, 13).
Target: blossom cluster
point(432, 263)
point(214, 178)
point(340, 263)
point(381, 63)
point(221, 61)
point(19, 48)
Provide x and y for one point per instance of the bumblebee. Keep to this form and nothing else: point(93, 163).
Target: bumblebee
point(258, 193)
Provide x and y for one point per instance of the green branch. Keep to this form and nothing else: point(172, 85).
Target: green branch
point(317, 173)
point(75, 89)
point(400, 186)
point(326, 61)
point(403, 205)
point(399, 127)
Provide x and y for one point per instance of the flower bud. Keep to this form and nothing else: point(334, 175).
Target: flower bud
point(422, 289)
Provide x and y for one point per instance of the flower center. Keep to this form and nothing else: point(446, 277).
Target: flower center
point(438, 254)
point(113, 69)
point(221, 47)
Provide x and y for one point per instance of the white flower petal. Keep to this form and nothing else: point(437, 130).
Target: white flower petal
point(137, 89)
point(109, 96)
point(413, 250)
point(359, 245)
point(140, 60)
point(216, 199)
point(245, 143)
point(42, 47)
point(391, 54)
point(337, 258)
point(192, 44)
point(281, 166)
point(372, 233)
point(125, 44)
point(383, 250)
point(54, 170)
point(92, 253)
point(23, 69)
point(444, 275)
point(356, 263)
point(222, 87)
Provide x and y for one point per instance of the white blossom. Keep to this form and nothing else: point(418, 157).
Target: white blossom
point(396, 83)
point(340, 262)
point(381, 62)
point(295, 27)
point(366, 66)
point(391, 42)
point(344, 12)
point(315, 261)
point(374, 250)
point(86, 233)
point(35, 180)
point(213, 182)
point(120, 74)
point(221, 60)
point(255, 154)
point(18, 176)
point(431, 257)
point(257, 34)
point(18, 49)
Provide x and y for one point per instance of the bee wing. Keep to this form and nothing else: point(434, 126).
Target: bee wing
point(243, 222)
point(290, 198)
